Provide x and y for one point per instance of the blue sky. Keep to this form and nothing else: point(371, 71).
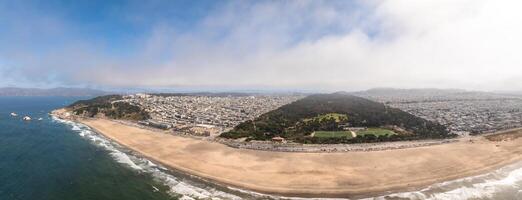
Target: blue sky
point(302, 45)
point(116, 27)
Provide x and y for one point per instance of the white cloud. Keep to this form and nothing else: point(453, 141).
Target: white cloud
point(471, 44)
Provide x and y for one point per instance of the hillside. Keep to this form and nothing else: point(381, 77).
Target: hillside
point(108, 106)
point(336, 112)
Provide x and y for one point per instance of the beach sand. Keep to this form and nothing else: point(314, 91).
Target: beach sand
point(347, 174)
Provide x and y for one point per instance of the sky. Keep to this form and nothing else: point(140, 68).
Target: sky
point(270, 45)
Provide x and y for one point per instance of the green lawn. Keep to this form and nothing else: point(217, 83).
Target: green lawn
point(335, 134)
point(376, 132)
point(336, 116)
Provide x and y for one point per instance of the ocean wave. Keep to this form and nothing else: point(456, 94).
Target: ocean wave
point(501, 182)
point(126, 157)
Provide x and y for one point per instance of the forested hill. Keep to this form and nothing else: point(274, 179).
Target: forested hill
point(297, 120)
point(108, 106)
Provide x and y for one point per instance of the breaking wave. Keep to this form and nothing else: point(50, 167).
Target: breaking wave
point(178, 186)
point(504, 183)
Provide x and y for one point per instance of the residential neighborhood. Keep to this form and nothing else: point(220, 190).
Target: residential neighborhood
point(205, 115)
point(463, 112)
point(469, 116)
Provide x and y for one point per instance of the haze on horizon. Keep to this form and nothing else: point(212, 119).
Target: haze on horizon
point(313, 45)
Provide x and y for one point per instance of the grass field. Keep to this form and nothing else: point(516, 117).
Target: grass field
point(376, 132)
point(370, 131)
point(330, 134)
point(338, 117)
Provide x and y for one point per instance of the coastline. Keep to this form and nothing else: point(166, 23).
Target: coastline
point(347, 174)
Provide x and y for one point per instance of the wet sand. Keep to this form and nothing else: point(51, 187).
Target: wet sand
point(347, 174)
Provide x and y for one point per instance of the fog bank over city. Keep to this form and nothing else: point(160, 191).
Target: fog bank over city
point(337, 45)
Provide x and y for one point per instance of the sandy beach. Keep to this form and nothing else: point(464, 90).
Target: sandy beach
point(347, 174)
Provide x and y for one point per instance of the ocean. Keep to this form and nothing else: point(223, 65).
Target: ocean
point(48, 160)
point(53, 159)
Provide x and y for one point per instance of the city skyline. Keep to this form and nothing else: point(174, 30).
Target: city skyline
point(262, 45)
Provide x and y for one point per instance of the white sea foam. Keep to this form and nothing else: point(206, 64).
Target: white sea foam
point(124, 159)
point(477, 187)
point(484, 186)
point(158, 172)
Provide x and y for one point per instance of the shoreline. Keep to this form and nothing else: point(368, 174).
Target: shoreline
point(348, 174)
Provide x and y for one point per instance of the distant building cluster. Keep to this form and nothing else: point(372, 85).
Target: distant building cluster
point(472, 116)
point(205, 115)
point(462, 112)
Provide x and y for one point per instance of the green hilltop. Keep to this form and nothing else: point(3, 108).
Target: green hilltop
point(108, 106)
point(338, 112)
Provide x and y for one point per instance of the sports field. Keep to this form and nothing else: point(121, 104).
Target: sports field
point(376, 132)
point(334, 134)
